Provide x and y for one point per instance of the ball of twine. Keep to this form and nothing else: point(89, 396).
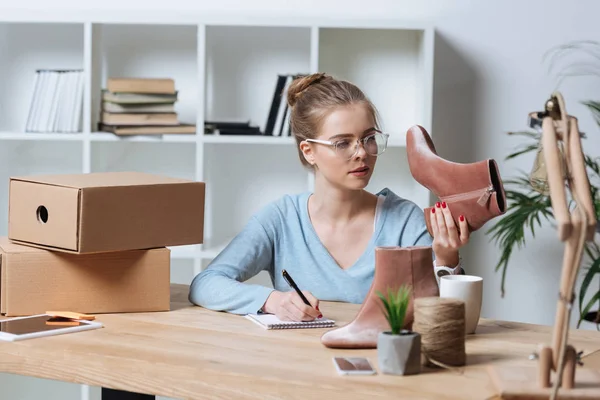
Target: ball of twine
point(441, 324)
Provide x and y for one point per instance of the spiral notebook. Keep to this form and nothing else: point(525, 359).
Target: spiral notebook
point(270, 321)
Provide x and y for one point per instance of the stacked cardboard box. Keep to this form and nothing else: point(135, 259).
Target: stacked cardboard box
point(95, 243)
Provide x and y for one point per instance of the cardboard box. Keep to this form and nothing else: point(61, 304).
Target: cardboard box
point(100, 212)
point(34, 281)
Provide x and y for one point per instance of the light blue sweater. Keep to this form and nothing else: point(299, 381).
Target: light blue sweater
point(281, 236)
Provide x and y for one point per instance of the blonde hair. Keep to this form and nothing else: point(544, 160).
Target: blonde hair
point(313, 97)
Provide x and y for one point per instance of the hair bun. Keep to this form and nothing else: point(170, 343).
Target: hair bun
point(299, 85)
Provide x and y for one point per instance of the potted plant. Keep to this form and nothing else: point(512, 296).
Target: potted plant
point(398, 350)
point(529, 201)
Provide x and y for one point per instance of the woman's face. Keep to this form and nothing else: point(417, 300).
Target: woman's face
point(348, 167)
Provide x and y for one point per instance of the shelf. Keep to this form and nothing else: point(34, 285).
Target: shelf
point(212, 248)
point(211, 253)
point(147, 51)
point(170, 138)
point(242, 64)
point(224, 69)
point(184, 252)
point(250, 139)
point(262, 175)
point(42, 136)
point(389, 66)
point(173, 159)
point(25, 48)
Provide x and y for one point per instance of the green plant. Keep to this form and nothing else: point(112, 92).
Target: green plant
point(527, 206)
point(396, 304)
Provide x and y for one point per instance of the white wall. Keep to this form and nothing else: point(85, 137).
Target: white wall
point(489, 74)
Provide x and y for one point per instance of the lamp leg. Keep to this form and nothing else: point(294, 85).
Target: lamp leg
point(568, 381)
point(544, 366)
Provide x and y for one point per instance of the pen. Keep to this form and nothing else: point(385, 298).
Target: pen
point(291, 282)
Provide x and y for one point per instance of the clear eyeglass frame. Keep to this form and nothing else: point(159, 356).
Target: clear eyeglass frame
point(336, 144)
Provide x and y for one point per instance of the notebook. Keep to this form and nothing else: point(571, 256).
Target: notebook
point(270, 321)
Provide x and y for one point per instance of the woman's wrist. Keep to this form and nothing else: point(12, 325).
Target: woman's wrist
point(447, 259)
point(270, 305)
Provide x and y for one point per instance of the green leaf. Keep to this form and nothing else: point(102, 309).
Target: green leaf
point(388, 312)
point(590, 303)
point(529, 134)
point(587, 279)
point(509, 232)
point(589, 48)
point(521, 151)
point(396, 305)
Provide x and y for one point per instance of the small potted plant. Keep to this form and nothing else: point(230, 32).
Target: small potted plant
point(398, 350)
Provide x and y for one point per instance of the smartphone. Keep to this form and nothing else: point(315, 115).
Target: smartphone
point(353, 366)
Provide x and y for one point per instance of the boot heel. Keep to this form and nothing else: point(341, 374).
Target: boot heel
point(427, 213)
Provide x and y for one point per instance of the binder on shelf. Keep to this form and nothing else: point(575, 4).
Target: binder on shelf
point(275, 102)
point(56, 101)
point(231, 128)
point(278, 119)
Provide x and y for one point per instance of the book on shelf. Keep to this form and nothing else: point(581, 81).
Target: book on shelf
point(56, 101)
point(141, 106)
point(121, 130)
point(117, 108)
point(140, 119)
point(278, 118)
point(141, 85)
point(139, 98)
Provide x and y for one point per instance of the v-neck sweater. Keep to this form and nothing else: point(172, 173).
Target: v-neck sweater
point(281, 236)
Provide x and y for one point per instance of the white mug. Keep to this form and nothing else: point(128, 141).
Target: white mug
point(468, 288)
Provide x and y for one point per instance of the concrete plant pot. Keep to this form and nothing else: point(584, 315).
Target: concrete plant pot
point(399, 354)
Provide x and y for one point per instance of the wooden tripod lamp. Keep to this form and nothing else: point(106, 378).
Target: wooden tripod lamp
point(563, 161)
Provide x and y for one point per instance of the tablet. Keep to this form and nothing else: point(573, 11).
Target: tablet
point(34, 326)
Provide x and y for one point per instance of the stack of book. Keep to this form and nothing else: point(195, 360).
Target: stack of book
point(141, 106)
point(56, 102)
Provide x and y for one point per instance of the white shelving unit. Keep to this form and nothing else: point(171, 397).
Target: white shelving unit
point(224, 68)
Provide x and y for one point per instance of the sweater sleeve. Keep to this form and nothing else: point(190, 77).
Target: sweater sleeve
point(221, 285)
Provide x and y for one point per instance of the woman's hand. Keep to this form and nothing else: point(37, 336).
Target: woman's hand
point(447, 237)
point(288, 306)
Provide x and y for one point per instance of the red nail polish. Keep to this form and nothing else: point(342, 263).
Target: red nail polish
point(462, 218)
point(318, 308)
point(433, 210)
point(444, 204)
point(320, 315)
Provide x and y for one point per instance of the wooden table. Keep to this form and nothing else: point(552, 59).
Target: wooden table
point(194, 353)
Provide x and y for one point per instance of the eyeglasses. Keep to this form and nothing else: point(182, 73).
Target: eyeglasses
point(374, 144)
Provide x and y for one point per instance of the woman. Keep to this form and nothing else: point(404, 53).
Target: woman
point(324, 239)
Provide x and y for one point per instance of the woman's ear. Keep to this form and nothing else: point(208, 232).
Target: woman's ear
point(307, 151)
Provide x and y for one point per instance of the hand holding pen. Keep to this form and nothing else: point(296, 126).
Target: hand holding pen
point(295, 305)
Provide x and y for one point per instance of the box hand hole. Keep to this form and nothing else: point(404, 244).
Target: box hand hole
point(42, 214)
